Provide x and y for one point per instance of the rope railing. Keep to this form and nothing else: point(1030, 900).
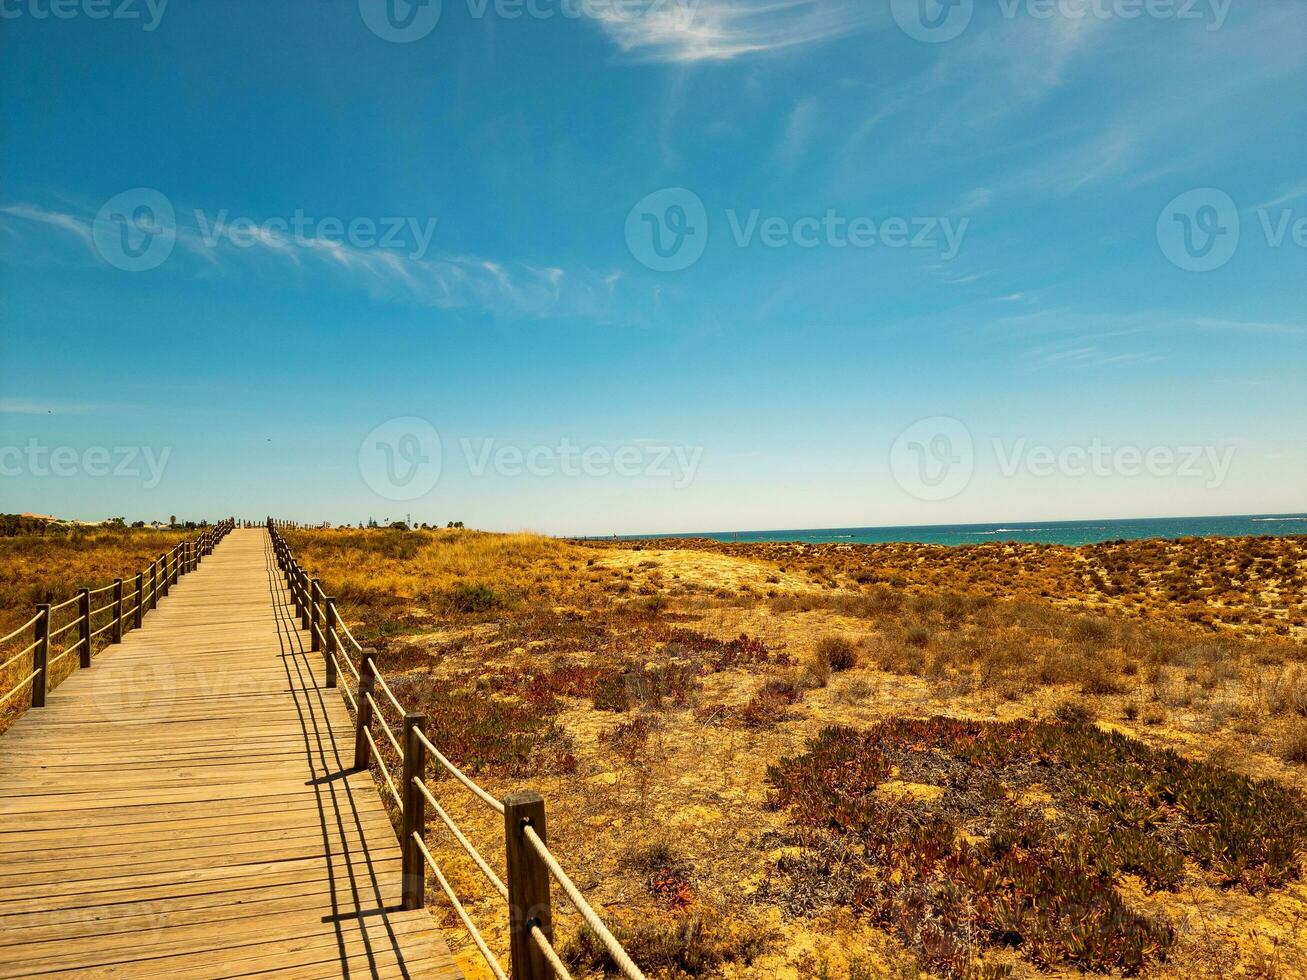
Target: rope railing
point(468, 924)
point(388, 692)
point(596, 924)
point(22, 629)
point(472, 852)
point(458, 774)
point(530, 864)
point(125, 611)
point(21, 684)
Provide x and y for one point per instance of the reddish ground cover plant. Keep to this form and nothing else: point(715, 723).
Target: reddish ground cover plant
point(974, 868)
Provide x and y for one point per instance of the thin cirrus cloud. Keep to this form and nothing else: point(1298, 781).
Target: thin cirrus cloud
point(445, 281)
point(686, 31)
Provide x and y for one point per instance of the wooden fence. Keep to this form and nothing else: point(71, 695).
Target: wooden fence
point(529, 863)
point(121, 612)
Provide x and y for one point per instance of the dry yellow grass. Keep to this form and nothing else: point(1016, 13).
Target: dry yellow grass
point(522, 635)
point(645, 690)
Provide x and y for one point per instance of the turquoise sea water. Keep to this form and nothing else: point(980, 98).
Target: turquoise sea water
point(1048, 532)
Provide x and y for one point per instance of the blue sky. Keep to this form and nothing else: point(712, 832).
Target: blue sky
point(477, 293)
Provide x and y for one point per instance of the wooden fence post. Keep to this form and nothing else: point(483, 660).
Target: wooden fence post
point(116, 634)
point(415, 812)
point(305, 598)
point(329, 631)
point(315, 618)
point(140, 600)
point(528, 886)
point(84, 627)
point(41, 656)
point(363, 722)
point(154, 584)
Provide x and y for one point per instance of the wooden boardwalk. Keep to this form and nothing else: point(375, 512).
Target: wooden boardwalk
point(182, 808)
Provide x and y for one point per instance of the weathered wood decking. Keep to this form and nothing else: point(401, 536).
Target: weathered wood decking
point(182, 807)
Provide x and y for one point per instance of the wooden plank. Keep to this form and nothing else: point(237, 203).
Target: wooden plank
point(184, 806)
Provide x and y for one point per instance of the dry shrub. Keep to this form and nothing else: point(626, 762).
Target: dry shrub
point(816, 672)
point(1099, 676)
point(1287, 693)
point(838, 652)
point(1091, 630)
point(688, 944)
point(1292, 746)
point(1075, 711)
point(768, 706)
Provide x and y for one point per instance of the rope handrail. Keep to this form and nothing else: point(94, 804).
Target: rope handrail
point(188, 554)
point(591, 917)
point(27, 625)
point(376, 676)
point(385, 727)
point(348, 663)
point(21, 684)
point(353, 704)
point(345, 629)
point(341, 647)
point(376, 754)
point(65, 628)
point(547, 948)
point(468, 924)
point(458, 774)
point(65, 603)
point(55, 660)
point(472, 852)
point(525, 848)
point(19, 655)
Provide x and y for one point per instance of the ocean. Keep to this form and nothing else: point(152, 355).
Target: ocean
point(1047, 532)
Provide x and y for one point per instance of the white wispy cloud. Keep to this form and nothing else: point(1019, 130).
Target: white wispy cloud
point(720, 30)
point(64, 222)
point(446, 281)
point(798, 133)
point(1292, 194)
